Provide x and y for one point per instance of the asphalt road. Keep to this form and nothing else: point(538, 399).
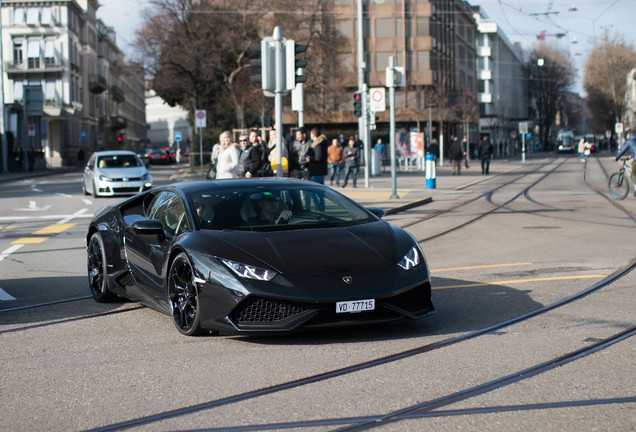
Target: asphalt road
point(499, 247)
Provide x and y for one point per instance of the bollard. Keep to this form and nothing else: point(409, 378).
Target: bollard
point(430, 171)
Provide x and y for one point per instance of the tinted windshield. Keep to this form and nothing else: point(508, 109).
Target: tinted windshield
point(118, 161)
point(275, 208)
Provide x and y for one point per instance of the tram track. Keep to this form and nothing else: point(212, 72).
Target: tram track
point(603, 192)
point(305, 381)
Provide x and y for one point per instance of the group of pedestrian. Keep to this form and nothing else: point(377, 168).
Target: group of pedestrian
point(308, 157)
point(457, 152)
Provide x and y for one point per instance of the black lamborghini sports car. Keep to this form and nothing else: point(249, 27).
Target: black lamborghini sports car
point(256, 256)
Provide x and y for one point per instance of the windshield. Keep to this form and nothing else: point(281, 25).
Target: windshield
point(276, 207)
point(118, 161)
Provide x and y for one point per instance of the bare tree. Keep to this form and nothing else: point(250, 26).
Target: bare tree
point(551, 73)
point(605, 81)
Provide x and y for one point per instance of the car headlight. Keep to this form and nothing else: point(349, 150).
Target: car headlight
point(411, 259)
point(249, 272)
point(145, 176)
point(105, 178)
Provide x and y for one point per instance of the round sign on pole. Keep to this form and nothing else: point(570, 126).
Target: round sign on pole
point(377, 99)
point(200, 118)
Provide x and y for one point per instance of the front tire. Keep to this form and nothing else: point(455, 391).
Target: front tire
point(183, 297)
point(97, 266)
point(618, 186)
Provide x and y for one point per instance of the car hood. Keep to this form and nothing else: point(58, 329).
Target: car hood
point(123, 172)
point(310, 252)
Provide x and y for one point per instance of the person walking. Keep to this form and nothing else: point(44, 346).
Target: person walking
point(300, 164)
point(351, 161)
point(317, 156)
point(227, 160)
point(485, 154)
point(456, 154)
point(335, 157)
point(256, 159)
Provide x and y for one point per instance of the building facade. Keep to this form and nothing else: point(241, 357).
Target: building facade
point(66, 85)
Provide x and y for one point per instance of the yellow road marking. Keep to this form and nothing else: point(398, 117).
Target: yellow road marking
point(29, 240)
point(517, 281)
point(481, 266)
point(6, 227)
point(54, 229)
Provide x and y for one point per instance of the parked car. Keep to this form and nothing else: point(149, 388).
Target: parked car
point(254, 256)
point(110, 173)
point(144, 155)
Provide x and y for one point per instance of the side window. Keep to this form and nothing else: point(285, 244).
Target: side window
point(168, 208)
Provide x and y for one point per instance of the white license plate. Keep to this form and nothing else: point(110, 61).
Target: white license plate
point(355, 306)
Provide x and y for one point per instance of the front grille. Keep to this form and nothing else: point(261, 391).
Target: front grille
point(266, 310)
point(126, 190)
point(127, 179)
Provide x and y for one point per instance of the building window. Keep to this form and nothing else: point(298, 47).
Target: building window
point(384, 28)
point(17, 53)
point(423, 60)
point(423, 26)
point(49, 52)
point(382, 60)
point(46, 16)
point(17, 91)
point(33, 54)
point(18, 16)
point(345, 29)
point(32, 16)
point(346, 61)
point(49, 91)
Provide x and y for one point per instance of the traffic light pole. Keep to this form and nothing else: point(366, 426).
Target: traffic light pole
point(363, 121)
point(278, 98)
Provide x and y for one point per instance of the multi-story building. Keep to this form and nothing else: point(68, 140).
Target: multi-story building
point(164, 121)
point(66, 85)
point(502, 85)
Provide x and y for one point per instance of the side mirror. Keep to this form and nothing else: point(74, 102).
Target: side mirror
point(377, 211)
point(148, 227)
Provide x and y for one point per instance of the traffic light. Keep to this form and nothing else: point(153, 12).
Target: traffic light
point(292, 64)
point(357, 104)
point(120, 139)
point(266, 63)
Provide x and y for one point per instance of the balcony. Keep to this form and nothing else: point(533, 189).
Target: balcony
point(48, 67)
point(97, 84)
point(117, 94)
point(118, 122)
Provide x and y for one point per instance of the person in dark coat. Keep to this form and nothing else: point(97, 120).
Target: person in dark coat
point(317, 156)
point(456, 154)
point(351, 161)
point(486, 150)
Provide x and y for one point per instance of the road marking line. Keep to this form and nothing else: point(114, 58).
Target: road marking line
point(5, 296)
point(73, 216)
point(9, 251)
point(54, 229)
point(481, 266)
point(517, 281)
point(43, 217)
point(29, 240)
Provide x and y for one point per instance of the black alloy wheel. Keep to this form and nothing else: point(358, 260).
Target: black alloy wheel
point(97, 265)
point(183, 296)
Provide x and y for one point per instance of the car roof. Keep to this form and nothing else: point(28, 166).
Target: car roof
point(114, 152)
point(194, 186)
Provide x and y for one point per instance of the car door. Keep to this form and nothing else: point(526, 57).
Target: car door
point(88, 174)
point(147, 253)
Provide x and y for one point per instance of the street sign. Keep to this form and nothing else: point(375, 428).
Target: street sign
point(377, 99)
point(177, 136)
point(83, 135)
point(200, 119)
point(618, 128)
point(523, 127)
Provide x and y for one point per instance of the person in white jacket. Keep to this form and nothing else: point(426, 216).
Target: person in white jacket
point(228, 157)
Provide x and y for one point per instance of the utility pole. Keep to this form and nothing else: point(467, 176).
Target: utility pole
point(3, 135)
point(363, 121)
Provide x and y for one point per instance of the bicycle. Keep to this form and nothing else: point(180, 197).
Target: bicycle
point(619, 182)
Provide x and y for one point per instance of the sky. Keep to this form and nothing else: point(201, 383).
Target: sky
point(583, 22)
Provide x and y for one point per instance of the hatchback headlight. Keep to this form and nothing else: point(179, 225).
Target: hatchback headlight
point(102, 177)
point(249, 272)
point(411, 259)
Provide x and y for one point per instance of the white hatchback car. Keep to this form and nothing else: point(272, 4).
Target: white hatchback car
point(118, 172)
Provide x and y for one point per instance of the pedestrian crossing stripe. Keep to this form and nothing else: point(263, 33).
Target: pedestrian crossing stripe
point(29, 240)
point(54, 229)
